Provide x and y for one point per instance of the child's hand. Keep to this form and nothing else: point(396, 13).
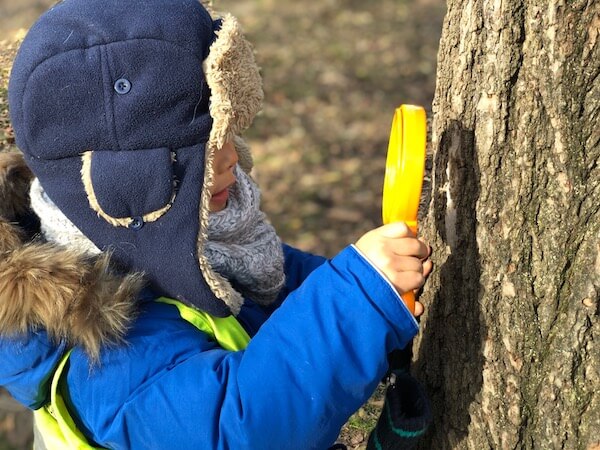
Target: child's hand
point(399, 255)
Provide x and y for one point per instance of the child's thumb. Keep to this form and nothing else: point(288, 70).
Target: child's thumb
point(395, 230)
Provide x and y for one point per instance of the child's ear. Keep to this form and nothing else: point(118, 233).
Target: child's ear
point(15, 179)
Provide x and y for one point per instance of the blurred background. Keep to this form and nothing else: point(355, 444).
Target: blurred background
point(333, 72)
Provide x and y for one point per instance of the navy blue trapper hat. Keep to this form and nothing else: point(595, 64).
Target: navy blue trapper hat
point(119, 107)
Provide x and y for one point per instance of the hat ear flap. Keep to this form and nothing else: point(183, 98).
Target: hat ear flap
point(125, 185)
point(234, 81)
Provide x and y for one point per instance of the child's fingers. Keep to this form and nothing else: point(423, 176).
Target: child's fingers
point(409, 246)
point(419, 308)
point(406, 281)
point(395, 230)
point(427, 267)
point(429, 249)
point(406, 264)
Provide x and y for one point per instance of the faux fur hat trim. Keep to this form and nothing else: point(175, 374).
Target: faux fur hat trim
point(234, 81)
point(245, 160)
point(236, 97)
point(74, 297)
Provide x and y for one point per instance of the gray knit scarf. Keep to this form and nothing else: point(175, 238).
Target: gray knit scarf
point(243, 247)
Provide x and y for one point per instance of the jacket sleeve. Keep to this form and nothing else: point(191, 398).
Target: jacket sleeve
point(316, 360)
point(27, 364)
point(298, 266)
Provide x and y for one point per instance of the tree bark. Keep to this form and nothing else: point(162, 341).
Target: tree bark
point(509, 345)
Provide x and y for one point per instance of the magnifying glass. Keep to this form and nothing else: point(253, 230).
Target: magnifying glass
point(404, 169)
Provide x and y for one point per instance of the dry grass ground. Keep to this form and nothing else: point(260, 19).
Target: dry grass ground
point(334, 70)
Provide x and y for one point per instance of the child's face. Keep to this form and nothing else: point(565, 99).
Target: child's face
point(224, 162)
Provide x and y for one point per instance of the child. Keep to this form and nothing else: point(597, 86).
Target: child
point(204, 331)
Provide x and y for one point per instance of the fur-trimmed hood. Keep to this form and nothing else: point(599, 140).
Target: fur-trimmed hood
point(119, 110)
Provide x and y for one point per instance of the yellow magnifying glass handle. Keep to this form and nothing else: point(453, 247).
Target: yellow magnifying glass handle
point(404, 169)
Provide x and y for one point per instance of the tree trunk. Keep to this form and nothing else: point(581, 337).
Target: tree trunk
point(509, 345)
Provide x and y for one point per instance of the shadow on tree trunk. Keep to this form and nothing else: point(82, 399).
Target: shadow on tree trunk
point(453, 378)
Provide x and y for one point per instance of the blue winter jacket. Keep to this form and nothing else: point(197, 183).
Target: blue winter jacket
point(311, 363)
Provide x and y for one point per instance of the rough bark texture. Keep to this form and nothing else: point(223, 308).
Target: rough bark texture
point(509, 349)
